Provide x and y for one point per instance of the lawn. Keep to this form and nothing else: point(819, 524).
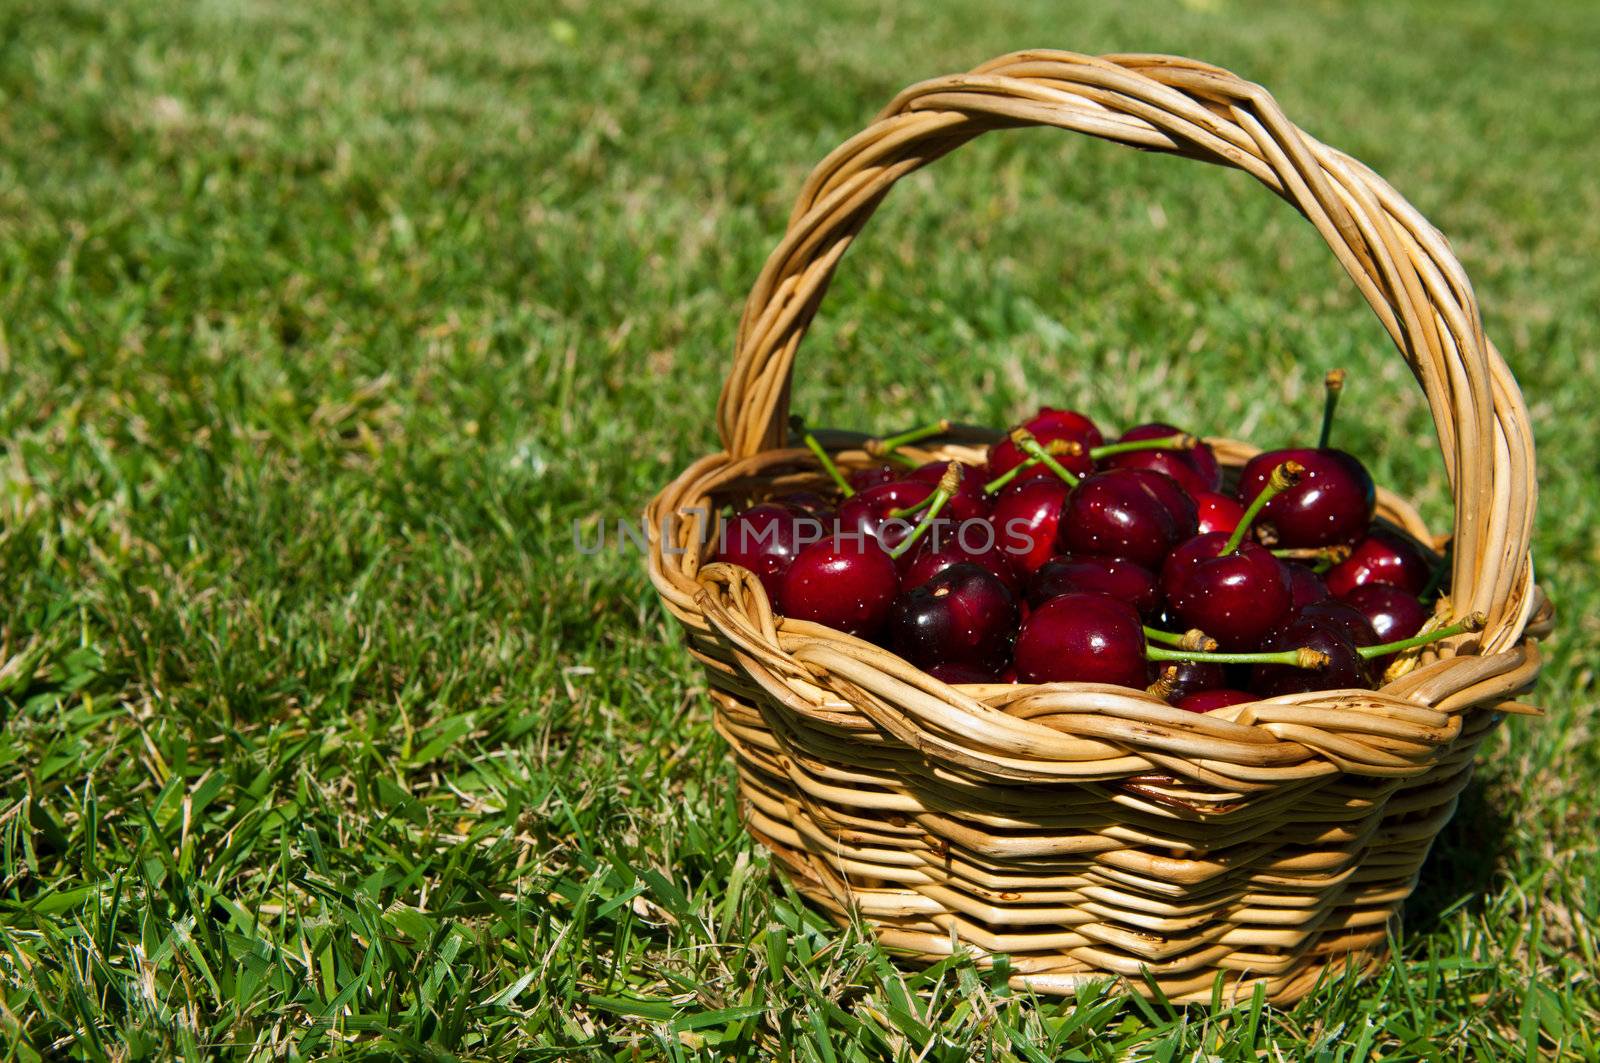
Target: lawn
point(323, 326)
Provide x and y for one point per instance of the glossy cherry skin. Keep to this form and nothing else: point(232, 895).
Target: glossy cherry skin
point(963, 673)
point(964, 615)
point(1349, 620)
point(1048, 425)
point(873, 475)
point(1305, 586)
point(845, 582)
point(1194, 470)
point(1333, 503)
point(766, 539)
point(974, 542)
point(1393, 613)
point(1235, 598)
point(1192, 677)
point(1118, 577)
point(1082, 638)
point(1382, 557)
point(1346, 668)
point(1217, 512)
point(1131, 513)
point(868, 512)
point(1026, 519)
point(969, 502)
point(1206, 700)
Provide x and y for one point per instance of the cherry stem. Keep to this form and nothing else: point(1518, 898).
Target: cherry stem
point(1181, 441)
point(1193, 639)
point(947, 487)
point(880, 447)
point(1302, 657)
point(1033, 448)
point(799, 425)
point(915, 507)
point(1055, 446)
point(1332, 385)
point(1332, 554)
point(1283, 477)
point(1474, 622)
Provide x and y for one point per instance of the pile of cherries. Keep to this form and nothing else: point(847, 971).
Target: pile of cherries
point(1065, 558)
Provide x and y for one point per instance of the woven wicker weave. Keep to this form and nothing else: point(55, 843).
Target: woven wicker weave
point(1090, 830)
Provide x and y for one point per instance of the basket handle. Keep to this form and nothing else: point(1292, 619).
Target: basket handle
point(1401, 263)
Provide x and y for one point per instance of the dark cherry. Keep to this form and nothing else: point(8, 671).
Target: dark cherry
point(1182, 678)
point(1346, 667)
point(1083, 638)
point(1305, 586)
point(848, 583)
point(1048, 425)
point(1132, 513)
point(1026, 520)
point(873, 476)
point(1382, 557)
point(969, 502)
point(1217, 512)
point(1235, 598)
point(1118, 577)
point(1356, 627)
point(964, 615)
point(808, 502)
point(766, 539)
point(963, 673)
point(1393, 612)
point(868, 512)
point(942, 547)
point(1206, 700)
point(1194, 470)
point(1333, 503)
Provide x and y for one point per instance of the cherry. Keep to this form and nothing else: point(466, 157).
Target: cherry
point(1393, 612)
point(1235, 597)
point(1131, 513)
point(963, 615)
point(1305, 586)
point(1382, 557)
point(1217, 512)
point(847, 582)
point(963, 673)
point(1346, 668)
point(1026, 520)
point(1122, 579)
point(1195, 469)
point(1349, 620)
point(1047, 425)
point(1206, 700)
point(873, 476)
point(1181, 678)
point(808, 502)
point(1083, 638)
point(974, 542)
point(1334, 503)
point(872, 512)
point(969, 501)
point(766, 539)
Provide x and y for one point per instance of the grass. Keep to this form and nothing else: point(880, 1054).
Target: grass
point(322, 325)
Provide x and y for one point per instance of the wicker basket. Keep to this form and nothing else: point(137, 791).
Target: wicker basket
point(1093, 831)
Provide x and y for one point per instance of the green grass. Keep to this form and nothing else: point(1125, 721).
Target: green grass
point(322, 325)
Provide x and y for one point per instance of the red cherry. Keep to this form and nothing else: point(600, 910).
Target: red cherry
point(873, 476)
point(1206, 700)
point(1083, 638)
point(846, 582)
point(1349, 620)
point(1120, 578)
point(1217, 512)
point(1346, 667)
point(766, 539)
point(1132, 513)
point(969, 502)
point(1305, 586)
point(1235, 598)
point(964, 615)
point(1194, 470)
point(1333, 503)
point(1382, 557)
point(1026, 519)
point(868, 513)
point(971, 541)
point(1393, 612)
point(1182, 678)
point(1048, 425)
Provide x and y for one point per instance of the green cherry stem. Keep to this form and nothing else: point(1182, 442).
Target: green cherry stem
point(1181, 441)
point(1332, 385)
point(948, 484)
point(1283, 477)
point(1055, 446)
point(799, 425)
point(1331, 554)
point(880, 447)
point(1471, 623)
point(1302, 657)
point(1033, 448)
point(1193, 639)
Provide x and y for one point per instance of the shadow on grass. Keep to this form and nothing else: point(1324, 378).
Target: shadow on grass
point(1461, 867)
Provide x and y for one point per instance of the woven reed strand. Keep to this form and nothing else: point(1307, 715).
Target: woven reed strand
point(1092, 831)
